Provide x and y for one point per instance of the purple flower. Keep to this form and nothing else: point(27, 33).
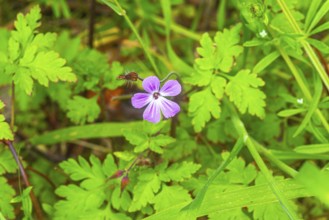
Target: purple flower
point(155, 100)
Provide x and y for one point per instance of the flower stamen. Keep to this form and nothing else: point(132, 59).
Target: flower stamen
point(156, 95)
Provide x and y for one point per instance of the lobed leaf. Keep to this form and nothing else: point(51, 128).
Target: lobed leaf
point(244, 93)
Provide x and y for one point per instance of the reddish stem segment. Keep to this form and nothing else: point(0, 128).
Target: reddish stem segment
point(35, 202)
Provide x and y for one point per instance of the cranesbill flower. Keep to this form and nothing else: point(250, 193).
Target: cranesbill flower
point(155, 99)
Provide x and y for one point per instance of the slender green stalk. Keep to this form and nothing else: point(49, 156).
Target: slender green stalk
point(303, 86)
point(240, 128)
point(12, 110)
point(131, 25)
point(281, 165)
point(307, 47)
point(178, 29)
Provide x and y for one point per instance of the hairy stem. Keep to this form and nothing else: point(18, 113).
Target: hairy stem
point(35, 202)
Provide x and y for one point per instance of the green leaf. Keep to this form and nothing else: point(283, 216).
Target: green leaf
point(170, 195)
point(313, 106)
point(26, 201)
point(312, 149)
point(144, 139)
point(265, 62)
point(79, 201)
point(220, 53)
point(92, 176)
point(120, 199)
point(314, 6)
point(217, 201)
point(290, 112)
point(112, 5)
point(5, 131)
point(218, 86)
point(7, 162)
point(227, 48)
point(321, 46)
point(82, 110)
point(267, 211)
point(100, 130)
point(179, 172)
point(202, 105)
point(207, 50)
point(244, 93)
point(148, 184)
point(110, 77)
point(314, 181)
point(319, 15)
point(199, 77)
point(320, 28)
point(49, 66)
point(7, 193)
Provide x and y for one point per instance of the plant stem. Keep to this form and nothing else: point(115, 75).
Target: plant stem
point(177, 29)
point(92, 5)
point(12, 110)
point(281, 165)
point(131, 25)
point(35, 202)
point(241, 130)
point(307, 47)
point(303, 86)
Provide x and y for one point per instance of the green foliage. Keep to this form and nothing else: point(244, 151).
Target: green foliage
point(244, 93)
point(5, 131)
point(7, 194)
point(88, 197)
point(82, 110)
point(262, 60)
point(146, 138)
point(30, 56)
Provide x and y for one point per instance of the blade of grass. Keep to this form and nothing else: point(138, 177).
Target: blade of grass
point(313, 106)
point(241, 130)
point(195, 205)
point(120, 11)
point(100, 130)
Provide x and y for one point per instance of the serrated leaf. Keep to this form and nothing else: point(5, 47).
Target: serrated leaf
point(148, 184)
point(5, 131)
point(267, 211)
point(227, 47)
point(244, 93)
point(120, 199)
point(315, 181)
point(200, 77)
point(218, 86)
point(170, 195)
point(91, 175)
point(160, 141)
point(7, 162)
point(207, 50)
point(220, 53)
point(82, 110)
point(79, 201)
point(202, 106)
point(178, 172)
point(7, 193)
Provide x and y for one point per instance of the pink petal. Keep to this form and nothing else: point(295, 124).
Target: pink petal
point(168, 108)
point(171, 88)
point(151, 84)
point(152, 112)
point(139, 100)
